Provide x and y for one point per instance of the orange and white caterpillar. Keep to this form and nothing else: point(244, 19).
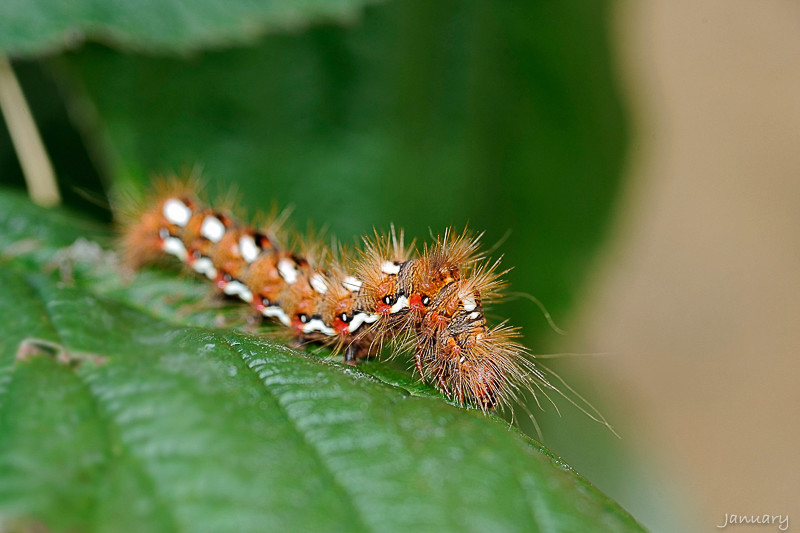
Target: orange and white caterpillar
point(431, 303)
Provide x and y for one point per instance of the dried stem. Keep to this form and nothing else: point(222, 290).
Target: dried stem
point(32, 155)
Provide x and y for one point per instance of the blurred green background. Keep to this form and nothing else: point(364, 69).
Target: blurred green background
point(503, 116)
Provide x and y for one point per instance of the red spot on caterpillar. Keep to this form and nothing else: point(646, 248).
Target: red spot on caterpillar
point(341, 327)
point(383, 308)
point(415, 302)
point(297, 324)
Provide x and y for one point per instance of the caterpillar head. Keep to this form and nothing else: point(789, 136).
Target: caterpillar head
point(475, 365)
point(458, 352)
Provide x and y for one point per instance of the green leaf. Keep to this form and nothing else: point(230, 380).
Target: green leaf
point(45, 26)
point(114, 420)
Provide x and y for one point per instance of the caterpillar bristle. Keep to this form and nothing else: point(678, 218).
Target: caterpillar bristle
point(429, 303)
point(451, 248)
point(311, 246)
point(230, 201)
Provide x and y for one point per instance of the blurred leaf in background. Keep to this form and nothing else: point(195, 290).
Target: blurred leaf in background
point(504, 116)
point(167, 26)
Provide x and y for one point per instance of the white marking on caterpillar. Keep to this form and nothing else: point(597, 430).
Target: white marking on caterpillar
point(203, 265)
point(315, 324)
point(351, 284)
point(174, 246)
point(361, 318)
point(212, 229)
point(287, 271)
point(474, 315)
point(176, 212)
point(248, 248)
point(391, 268)
point(469, 302)
point(399, 305)
point(318, 283)
point(237, 288)
point(275, 311)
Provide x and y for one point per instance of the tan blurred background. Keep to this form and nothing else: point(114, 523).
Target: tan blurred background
point(698, 298)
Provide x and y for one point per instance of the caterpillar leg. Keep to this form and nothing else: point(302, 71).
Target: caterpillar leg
point(443, 387)
point(253, 321)
point(419, 352)
point(351, 355)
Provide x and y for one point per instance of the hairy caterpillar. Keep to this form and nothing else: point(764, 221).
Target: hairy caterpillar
point(429, 301)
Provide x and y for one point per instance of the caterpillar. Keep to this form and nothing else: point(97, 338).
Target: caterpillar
point(429, 302)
